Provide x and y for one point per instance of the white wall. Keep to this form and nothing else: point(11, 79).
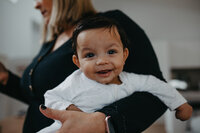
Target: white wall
point(19, 41)
point(185, 53)
point(161, 19)
point(17, 32)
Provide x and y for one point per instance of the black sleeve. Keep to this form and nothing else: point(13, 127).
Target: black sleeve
point(13, 88)
point(135, 113)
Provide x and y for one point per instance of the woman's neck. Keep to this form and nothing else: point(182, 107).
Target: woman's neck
point(62, 38)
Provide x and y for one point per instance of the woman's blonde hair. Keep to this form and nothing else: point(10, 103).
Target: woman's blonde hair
point(65, 14)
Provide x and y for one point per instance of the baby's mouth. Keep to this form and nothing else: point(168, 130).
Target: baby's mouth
point(104, 73)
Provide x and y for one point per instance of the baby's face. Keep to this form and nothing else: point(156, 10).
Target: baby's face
point(101, 55)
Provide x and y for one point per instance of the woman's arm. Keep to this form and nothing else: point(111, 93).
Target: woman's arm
point(135, 113)
point(12, 88)
point(4, 75)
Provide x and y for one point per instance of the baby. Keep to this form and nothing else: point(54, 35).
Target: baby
point(100, 52)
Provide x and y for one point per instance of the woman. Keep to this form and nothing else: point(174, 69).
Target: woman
point(53, 63)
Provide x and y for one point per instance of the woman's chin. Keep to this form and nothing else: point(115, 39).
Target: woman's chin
point(46, 20)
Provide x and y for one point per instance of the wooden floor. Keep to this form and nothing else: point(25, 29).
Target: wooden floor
point(156, 128)
point(12, 124)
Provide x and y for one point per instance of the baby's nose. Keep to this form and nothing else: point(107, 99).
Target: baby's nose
point(102, 61)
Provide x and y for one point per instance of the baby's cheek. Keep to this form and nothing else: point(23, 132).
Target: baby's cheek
point(119, 67)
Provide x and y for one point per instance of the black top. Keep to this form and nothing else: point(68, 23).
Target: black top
point(48, 69)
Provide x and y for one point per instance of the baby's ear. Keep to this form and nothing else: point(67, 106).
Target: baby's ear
point(76, 61)
point(125, 53)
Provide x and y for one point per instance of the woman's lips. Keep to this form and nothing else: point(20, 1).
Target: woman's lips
point(44, 13)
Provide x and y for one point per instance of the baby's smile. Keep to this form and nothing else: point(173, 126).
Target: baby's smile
point(104, 73)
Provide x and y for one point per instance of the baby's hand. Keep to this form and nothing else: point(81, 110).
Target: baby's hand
point(184, 112)
point(72, 107)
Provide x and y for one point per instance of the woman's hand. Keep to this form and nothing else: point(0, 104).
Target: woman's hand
point(3, 74)
point(72, 107)
point(76, 121)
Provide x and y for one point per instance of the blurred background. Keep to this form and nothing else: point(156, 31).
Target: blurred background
point(173, 27)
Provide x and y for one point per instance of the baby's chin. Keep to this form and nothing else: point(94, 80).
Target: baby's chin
point(107, 82)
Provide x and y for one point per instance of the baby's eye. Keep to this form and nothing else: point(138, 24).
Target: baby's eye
point(89, 55)
point(112, 51)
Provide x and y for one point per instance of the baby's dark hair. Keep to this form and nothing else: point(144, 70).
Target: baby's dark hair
point(94, 23)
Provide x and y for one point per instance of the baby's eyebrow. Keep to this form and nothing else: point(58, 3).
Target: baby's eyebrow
point(113, 45)
point(86, 49)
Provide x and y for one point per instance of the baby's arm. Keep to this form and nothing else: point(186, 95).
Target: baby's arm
point(57, 100)
point(184, 112)
point(169, 95)
point(59, 97)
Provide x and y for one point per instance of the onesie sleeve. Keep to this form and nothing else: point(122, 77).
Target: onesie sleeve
point(59, 97)
point(166, 93)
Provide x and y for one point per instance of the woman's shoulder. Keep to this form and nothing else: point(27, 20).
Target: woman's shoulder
point(113, 13)
point(48, 44)
point(122, 18)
